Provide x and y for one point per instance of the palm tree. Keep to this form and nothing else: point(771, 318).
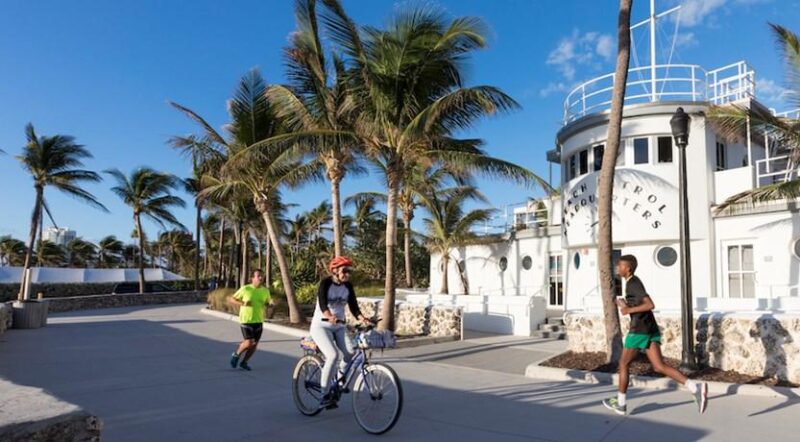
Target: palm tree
point(50, 254)
point(605, 186)
point(12, 251)
point(256, 164)
point(407, 84)
point(448, 225)
point(54, 161)
point(148, 193)
point(80, 253)
point(317, 101)
point(731, 120)
point(109, 251)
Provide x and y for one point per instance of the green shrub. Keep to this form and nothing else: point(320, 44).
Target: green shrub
point(307, 294)
point(370, 291)
point(218, 300)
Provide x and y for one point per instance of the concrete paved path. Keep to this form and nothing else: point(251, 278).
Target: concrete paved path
point(161, 374)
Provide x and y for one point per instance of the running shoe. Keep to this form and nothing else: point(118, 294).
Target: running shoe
point(234, 360)
point(701, 397)
point(612, 404)
point(245, 366)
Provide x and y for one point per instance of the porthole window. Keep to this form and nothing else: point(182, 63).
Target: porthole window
point(441, 267)
point(503, 264)
point(577, 260)
point(666, 256)
point(527, 263)
point(796, 248)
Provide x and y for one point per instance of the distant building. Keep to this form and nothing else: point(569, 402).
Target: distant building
point(59, 235)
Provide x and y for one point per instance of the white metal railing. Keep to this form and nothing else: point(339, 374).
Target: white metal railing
point(532, 216)
point(674, 82)
point(775, 170)
point(793, 114)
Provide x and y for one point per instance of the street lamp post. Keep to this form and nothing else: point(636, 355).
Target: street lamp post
point(680, 132)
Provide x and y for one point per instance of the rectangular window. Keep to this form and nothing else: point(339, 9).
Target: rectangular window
point(621, 153)
point(556, 280)
point(573, 167)
point(584, 162)
point(721, 161)
point(664, 149)
point(740, 271)
point(641, 151)
point(597, 152)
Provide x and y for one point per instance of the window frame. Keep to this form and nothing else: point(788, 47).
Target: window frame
point(597, 164)
point(555, 279)
point(727, 272)
point(658, 139)
point(647, 150)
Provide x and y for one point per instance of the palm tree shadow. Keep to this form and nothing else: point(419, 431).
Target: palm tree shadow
point(774, 337)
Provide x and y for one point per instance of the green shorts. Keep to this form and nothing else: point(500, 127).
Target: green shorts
point(641, 340)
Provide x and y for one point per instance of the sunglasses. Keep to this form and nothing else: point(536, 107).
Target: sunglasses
point(347, 270)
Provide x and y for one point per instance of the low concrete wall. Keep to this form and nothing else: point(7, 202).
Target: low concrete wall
point(68, 304)
point(6, 317)
point(31, 415)
point(416, 320)
point(757, 345)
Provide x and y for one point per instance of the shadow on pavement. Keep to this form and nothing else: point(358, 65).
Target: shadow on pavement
point(169, 380)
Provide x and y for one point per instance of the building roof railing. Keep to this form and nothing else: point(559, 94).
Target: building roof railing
point(672, 82)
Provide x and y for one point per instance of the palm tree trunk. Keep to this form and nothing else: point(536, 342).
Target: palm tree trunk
point(295, 315)
point(387, 321)
point(260, 254)
point(268, 263)
point(407, 216)
point(37, 212)
point(219, 251)
point(198, 223)
point(606, 187)
point(245, 261)
point(445, 266)
point(41, 235)
point(140, 234)
point(337, 216)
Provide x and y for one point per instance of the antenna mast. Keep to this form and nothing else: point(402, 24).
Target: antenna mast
point(651, 21)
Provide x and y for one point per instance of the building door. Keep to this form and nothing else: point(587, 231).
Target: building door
point(556, 281)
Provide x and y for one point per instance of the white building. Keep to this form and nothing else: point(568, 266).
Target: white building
point(744, 260)
point(59, 235)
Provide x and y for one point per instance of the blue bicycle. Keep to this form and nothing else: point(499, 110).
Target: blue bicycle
point(377, 394)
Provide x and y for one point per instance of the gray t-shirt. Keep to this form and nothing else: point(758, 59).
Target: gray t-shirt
point(334, 297)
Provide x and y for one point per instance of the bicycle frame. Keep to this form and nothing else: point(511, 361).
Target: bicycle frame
point(358, 362)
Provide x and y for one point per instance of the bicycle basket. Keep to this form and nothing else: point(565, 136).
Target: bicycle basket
point(308, 344)
point(377, 339)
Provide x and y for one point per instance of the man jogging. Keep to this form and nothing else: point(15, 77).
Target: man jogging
point(251, 300)
point(644, 335)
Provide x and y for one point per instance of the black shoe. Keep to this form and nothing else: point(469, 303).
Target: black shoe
point(245, 366)
point(234, 360)
point(328, 402)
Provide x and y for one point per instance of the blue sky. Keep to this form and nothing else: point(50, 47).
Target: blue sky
point(103, 72)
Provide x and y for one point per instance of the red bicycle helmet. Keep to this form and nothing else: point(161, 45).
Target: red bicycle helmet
point(339, 261)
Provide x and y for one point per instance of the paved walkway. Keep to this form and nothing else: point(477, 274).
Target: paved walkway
point(160, 374)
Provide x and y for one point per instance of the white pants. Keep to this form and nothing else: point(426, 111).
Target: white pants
point(332, 342)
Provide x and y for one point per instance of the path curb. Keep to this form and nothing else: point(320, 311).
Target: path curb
point(594, 377)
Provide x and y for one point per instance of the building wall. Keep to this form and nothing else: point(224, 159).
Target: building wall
point(483, 266)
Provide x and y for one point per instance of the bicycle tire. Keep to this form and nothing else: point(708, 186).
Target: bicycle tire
point(308, 408)
point(394, 415)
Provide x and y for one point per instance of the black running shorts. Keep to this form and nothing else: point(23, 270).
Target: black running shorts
point(252, 331)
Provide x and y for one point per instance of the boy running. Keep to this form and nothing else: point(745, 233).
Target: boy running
point(644, 335)
point(251, 300)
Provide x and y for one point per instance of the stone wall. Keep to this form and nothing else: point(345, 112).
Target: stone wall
point(6, 317)
point(124, 300)
point(764, 345)
point(8, 292)
point(416, 320)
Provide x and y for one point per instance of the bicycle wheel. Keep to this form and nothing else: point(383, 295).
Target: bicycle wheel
point(306, 388)
point(377, 398)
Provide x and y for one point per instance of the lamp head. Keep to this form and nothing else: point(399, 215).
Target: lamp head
point(680, 127)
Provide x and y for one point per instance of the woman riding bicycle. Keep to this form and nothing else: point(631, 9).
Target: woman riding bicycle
point(327, 327)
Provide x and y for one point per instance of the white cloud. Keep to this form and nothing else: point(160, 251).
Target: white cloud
point(605, 46)
point(695, 12)
point(580, 50)
point(554, 87)
point(771, 92)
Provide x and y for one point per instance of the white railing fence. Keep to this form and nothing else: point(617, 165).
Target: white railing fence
point(672, 82)
point(776, 170)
